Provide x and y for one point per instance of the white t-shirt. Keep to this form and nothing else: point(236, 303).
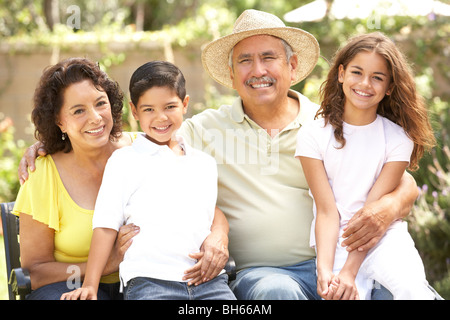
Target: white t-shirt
point(352, 170)
point(171, 198)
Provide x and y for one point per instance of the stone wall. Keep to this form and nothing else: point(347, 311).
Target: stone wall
point(20, 72)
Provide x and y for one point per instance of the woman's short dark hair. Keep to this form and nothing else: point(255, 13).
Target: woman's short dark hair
point(156, 74)
point(49, 98)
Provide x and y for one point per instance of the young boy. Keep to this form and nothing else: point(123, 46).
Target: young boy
point(161, 185)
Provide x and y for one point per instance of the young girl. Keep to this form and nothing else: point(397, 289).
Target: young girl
point(163, 186)
point(373, 126)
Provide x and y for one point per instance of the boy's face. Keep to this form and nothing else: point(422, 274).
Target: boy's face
point(160, 112)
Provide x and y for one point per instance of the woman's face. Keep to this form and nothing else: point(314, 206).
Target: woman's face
point(85, 115)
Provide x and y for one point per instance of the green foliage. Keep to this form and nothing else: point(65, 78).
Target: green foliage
point(430, 218)
point(11, 152)
point(182, 22)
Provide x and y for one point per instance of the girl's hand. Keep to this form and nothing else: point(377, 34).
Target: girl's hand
point(344, 287)
point(324, 281)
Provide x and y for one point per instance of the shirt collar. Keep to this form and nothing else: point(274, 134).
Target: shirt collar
point(238, 114)
point(144, 145)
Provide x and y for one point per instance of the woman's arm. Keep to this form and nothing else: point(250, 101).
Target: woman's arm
point(36, 250)
point(101, 246)
point(370, 223)
point(327, 221)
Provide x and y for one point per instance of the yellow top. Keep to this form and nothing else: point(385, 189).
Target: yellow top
point(44, 197)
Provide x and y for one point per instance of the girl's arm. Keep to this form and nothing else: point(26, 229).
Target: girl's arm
point(386, 182)
point(327, 220)
point(101, 244)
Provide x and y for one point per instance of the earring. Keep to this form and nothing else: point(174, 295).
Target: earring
point(63, 137)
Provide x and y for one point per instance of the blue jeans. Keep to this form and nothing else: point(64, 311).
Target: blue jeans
point(297, 282)
point(54, 291)
point(141, 288)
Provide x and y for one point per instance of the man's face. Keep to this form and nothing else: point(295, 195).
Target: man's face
point(261, 74)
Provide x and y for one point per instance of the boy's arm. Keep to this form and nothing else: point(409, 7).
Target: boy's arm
point(101, 245)
point(327, 220)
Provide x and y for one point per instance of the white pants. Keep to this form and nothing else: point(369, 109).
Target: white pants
point(394, 262)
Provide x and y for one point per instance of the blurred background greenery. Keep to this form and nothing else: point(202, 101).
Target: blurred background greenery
point(421, 28)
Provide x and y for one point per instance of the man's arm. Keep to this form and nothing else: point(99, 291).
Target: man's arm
point(370, 223)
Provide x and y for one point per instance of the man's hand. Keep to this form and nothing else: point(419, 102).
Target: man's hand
point(211, 259)
point(370, 223)
point(367, 227)
point(28, 160)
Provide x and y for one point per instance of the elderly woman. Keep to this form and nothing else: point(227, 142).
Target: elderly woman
point(77, 114)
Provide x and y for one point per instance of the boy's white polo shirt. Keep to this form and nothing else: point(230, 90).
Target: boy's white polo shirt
point(171, 198)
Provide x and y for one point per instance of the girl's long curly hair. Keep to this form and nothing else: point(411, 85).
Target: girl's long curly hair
point(49, 98)
point(403, 106)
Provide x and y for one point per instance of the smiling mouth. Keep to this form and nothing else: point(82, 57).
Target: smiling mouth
point(96, 131)
point(263, 82)
point(362, 93)
point(162, 129)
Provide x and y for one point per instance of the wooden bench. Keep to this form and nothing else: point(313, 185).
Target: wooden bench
point(19, 283)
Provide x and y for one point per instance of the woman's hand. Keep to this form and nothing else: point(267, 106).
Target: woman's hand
point(123, 242)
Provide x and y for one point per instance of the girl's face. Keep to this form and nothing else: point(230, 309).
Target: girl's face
point(160, 112)
point(85, 115)
point(365, 82)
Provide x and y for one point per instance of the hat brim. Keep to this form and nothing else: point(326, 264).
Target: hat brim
point(215, 55)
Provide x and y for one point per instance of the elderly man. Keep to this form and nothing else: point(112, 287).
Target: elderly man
point(262, 188)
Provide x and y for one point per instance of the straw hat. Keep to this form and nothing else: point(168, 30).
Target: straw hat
point(252, 22)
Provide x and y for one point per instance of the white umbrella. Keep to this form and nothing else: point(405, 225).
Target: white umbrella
point(361, 9)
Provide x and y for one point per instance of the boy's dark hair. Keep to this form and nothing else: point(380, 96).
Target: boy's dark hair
point(156, 74)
